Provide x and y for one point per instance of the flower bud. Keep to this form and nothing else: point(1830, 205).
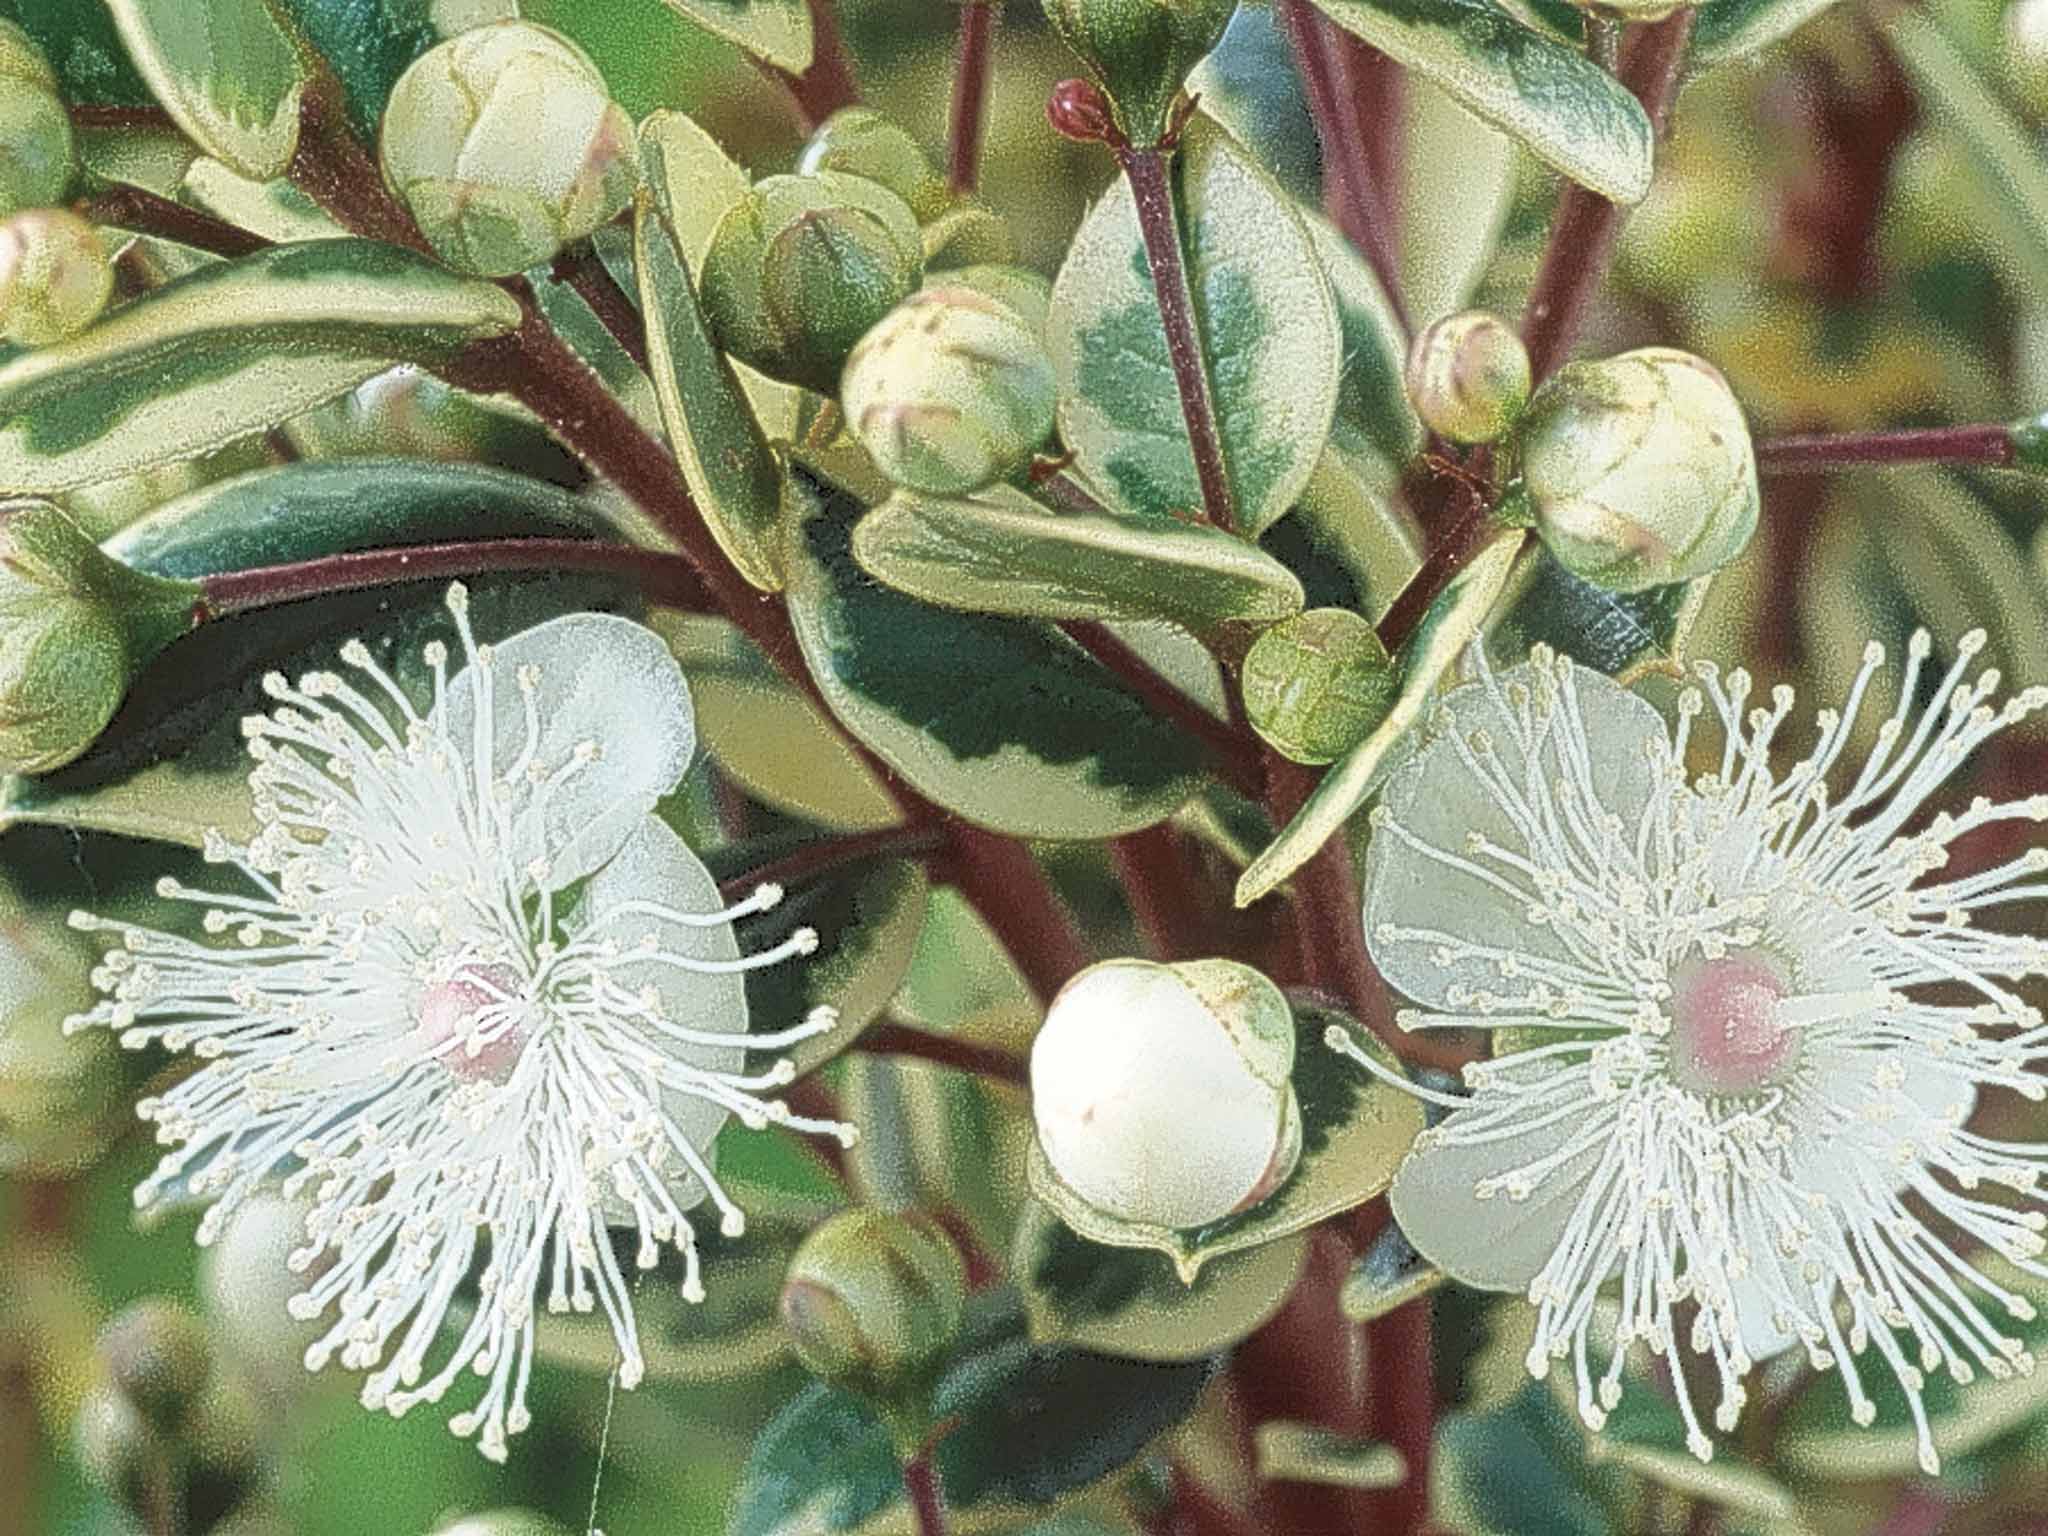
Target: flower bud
point(1021, 289)
point(1140, 51)
point(506, 145)
point(75, 627)
point(158, 1357)
point(802, 267)
point(55, 277)
point(1468, 376)
point(38, 155)
point(1079, 111)
point(873, 1301)
point(1162, 1092)
point(1638, 469)
point(863, 142)
point(951, 392)
point(1315, 684)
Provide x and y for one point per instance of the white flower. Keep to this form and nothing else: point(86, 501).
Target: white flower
point(475, 999)
point(1754, 1026)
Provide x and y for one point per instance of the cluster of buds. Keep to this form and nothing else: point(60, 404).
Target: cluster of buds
point(55, 275)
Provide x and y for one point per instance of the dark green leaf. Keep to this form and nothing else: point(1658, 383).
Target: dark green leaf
point(867, 916)
point(1268, 328)
point(1516, 1471)
point(1613, 632)
point(1005, 721)
point(172, 763)
point(370, 43)
point(79, 39)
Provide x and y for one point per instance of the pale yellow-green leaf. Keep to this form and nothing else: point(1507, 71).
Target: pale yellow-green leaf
point(776, 30)
point(227, 71)
point(693, 180)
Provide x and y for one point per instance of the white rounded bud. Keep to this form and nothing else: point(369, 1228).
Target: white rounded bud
point(1638, 469)
point(1162, 1092)
point(1468, 376)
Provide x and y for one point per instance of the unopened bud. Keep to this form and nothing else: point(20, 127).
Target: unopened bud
point(1638, 469)
point(1163, 1093)
point(1025, 292)
point(2026, 53)
point(863, 142)
point(873, 1301)
point(1079, 111)
point(38, 156)
point(1140, 52)
point(55, 277)
point(158, 1357)
point(75, 627)
point(1468, 376)
point(951, 392)
point(505, 143)
point(802, 267)
point(1316, 684)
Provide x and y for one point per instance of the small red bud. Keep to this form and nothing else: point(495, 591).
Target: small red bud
point(1078, 111)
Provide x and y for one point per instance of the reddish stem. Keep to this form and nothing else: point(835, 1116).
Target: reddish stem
point(1236, 758)
point(1400, 1408)
point(1447, 556)
point(584, 272)
point(888, 1038)
point(1327, 910)
point(927, 1502)
point(144, 213)
point(668, 579)
point(332, 167)
point(970, 94)
point(1168, 895)
point(1353, 197)
point(1003, 884)
point(1146, 170)
point(1980, 443)
point(828, 84)
point(1582, 235)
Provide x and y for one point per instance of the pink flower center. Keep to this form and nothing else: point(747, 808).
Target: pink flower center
point(480, 1010)
point(1726, 1037)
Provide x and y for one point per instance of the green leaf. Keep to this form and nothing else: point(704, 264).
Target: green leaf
point(229, 350)
point(1129, 1302)
point(649, 54)
point(694, 181)
point(1731, 29)
point(81, 44)
point(867, 916)
point(1450, 226)
point(172, 762)
point(1372, 401)
point(1572, 114)
point(1818, 1437)
point(766, 735)
point(1001, 552)
point(227, 71)
point(1032, 1422)
point(776, 30)
point(725, 460)
point(1956, 96)
point(1620, 633)
point(1006, 722)
point(1457, 615)
point(1355, 1129)
point(369, 44)
point(1268, 328)
point(1515, 1471)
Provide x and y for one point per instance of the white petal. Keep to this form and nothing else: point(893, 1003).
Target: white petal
point(604, 680)
point(1497, 1244)
point(655, 865)
point(1437, 799)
